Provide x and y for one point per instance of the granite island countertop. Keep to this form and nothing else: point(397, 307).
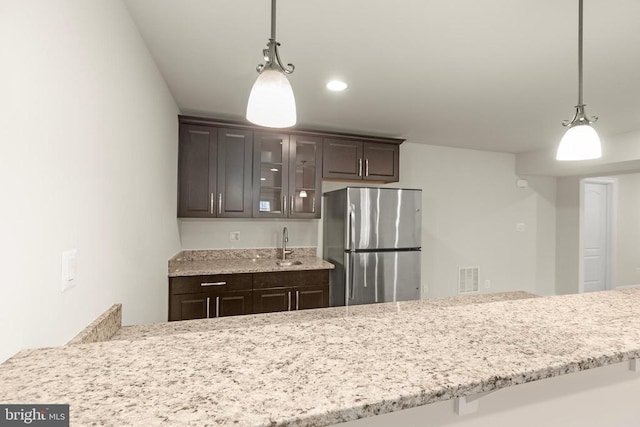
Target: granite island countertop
point(233, 261)
point(327, 370)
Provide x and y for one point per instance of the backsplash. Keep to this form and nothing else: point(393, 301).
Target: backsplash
point(263, 233)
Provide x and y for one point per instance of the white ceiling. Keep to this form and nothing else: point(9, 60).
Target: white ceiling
point(495, 75)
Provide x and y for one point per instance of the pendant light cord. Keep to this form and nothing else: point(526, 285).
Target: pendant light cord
point(580, 101)
point(273, 19)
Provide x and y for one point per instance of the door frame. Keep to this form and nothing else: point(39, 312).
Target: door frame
point(610, 241)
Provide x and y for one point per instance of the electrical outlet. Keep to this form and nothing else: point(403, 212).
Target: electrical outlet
point(487, 284)
point(234, 236)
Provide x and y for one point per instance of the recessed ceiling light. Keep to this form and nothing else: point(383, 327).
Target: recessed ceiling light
point(263, 179)
point(274, 170)
point(337, 85)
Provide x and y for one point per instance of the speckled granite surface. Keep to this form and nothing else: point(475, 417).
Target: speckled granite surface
point(374, 310)
point(217, 254)
point(231, 261)
point(325, 371)
point(101, 329)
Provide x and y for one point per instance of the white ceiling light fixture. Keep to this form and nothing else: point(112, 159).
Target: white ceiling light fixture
point(337, 85)
point(581, 141)
point(271, 102)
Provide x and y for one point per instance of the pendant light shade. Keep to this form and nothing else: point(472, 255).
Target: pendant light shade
point(581, 141)
point(271, 102)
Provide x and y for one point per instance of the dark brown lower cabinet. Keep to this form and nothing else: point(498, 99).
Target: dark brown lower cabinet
point(312, 297)
point(290, 290)
point(271, 300)
point(202, 297)
point(209, 305)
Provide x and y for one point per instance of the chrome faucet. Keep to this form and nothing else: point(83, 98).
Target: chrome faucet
point(285, 239)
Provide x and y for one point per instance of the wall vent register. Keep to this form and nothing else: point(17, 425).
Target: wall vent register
point(468, 280)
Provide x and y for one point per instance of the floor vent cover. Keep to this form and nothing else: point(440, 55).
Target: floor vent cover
point(468, 280)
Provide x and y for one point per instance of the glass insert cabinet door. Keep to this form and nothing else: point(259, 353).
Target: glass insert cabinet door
point(305, 173)
point(271, 171)
point(287, 175)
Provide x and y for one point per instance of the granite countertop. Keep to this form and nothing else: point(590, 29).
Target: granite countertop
point(321, 371)
point(372, 310)
point(232, 261)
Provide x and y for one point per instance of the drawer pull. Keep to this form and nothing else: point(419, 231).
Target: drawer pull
point(213, 284)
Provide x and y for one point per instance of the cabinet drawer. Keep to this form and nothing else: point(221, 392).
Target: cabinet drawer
point(219, 283)
point(290, 278)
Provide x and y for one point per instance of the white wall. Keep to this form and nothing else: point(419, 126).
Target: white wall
point(627, 251)
point(88, 144)
point(263, 233)
point(471, 206)
point(568, 246)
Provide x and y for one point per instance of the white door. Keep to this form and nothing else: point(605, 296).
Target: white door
point(595, 237)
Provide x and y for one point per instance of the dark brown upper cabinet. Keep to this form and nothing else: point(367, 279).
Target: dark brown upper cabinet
point(235, 156)
point(270, 175)
point(214, 172)
point(360, 161)
point(305, 176)
point(238, 170)
point(287, 175)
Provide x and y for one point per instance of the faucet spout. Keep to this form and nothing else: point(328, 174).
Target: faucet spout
point(285, 240)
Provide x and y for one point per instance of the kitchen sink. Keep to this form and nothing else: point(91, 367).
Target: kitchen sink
point(288, 263)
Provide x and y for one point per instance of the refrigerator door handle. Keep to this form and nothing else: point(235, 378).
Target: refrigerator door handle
point(350, 276)
point(352, 228)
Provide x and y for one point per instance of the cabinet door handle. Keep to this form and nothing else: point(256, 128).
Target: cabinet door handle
point(366, 167)
point(289, 305)
point(313, 205)
point(208, 301)
point(360, 166)
point(213, 283)
point(284, 205)
point(220, 204)
point(297, 300)
point(291, 204)
point(217, 306)
point(211, 203)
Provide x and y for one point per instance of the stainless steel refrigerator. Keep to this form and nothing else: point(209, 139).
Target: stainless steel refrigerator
point(373, 237)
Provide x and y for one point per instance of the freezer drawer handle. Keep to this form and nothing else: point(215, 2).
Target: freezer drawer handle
point(213, 284)
point(352, 228)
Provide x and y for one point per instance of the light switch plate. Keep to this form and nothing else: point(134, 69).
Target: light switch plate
point(68, 272)
point(234, 236)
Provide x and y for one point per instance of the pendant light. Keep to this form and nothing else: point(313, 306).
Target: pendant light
point(271, 102)
point(581, 141)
